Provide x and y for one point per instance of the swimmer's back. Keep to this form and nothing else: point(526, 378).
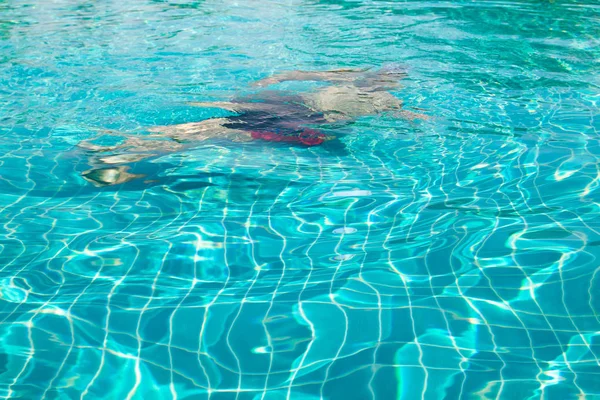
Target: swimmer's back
point(349, 102)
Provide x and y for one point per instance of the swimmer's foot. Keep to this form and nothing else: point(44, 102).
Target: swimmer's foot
point(109, 176)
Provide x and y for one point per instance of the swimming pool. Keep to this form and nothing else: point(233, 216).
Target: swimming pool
point(449, 258)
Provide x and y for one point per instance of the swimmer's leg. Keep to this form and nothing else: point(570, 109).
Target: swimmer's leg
point(132, 149)
point(167, 138)
point(163, 140)
point(200, 131)
point(88, 145)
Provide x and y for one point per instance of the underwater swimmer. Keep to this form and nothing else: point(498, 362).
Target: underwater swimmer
point(352, 93)
point(270, 116)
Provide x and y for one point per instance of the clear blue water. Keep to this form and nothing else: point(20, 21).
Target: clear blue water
point(450, 258)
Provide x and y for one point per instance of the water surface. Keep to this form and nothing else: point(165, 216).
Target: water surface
point(451, 258)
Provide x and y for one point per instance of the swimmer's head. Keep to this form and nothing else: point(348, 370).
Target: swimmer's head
point(386, 78)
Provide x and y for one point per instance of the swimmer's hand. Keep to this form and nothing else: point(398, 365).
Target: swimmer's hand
point(411, 116)
point(336, 75)
point(267, 81)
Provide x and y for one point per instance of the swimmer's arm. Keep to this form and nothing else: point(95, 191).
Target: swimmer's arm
point(389, 102)
point(338, 75)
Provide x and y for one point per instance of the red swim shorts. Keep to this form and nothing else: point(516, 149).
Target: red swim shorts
point(307, 137)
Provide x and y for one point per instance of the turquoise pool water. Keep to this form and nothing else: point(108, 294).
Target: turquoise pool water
point(450, 258)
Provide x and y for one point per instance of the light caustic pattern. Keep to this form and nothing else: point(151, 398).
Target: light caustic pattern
point(450, 258)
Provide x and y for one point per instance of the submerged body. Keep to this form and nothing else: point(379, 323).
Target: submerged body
point(270, 116)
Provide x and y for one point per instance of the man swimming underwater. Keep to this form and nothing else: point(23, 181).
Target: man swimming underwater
point(269, 116)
